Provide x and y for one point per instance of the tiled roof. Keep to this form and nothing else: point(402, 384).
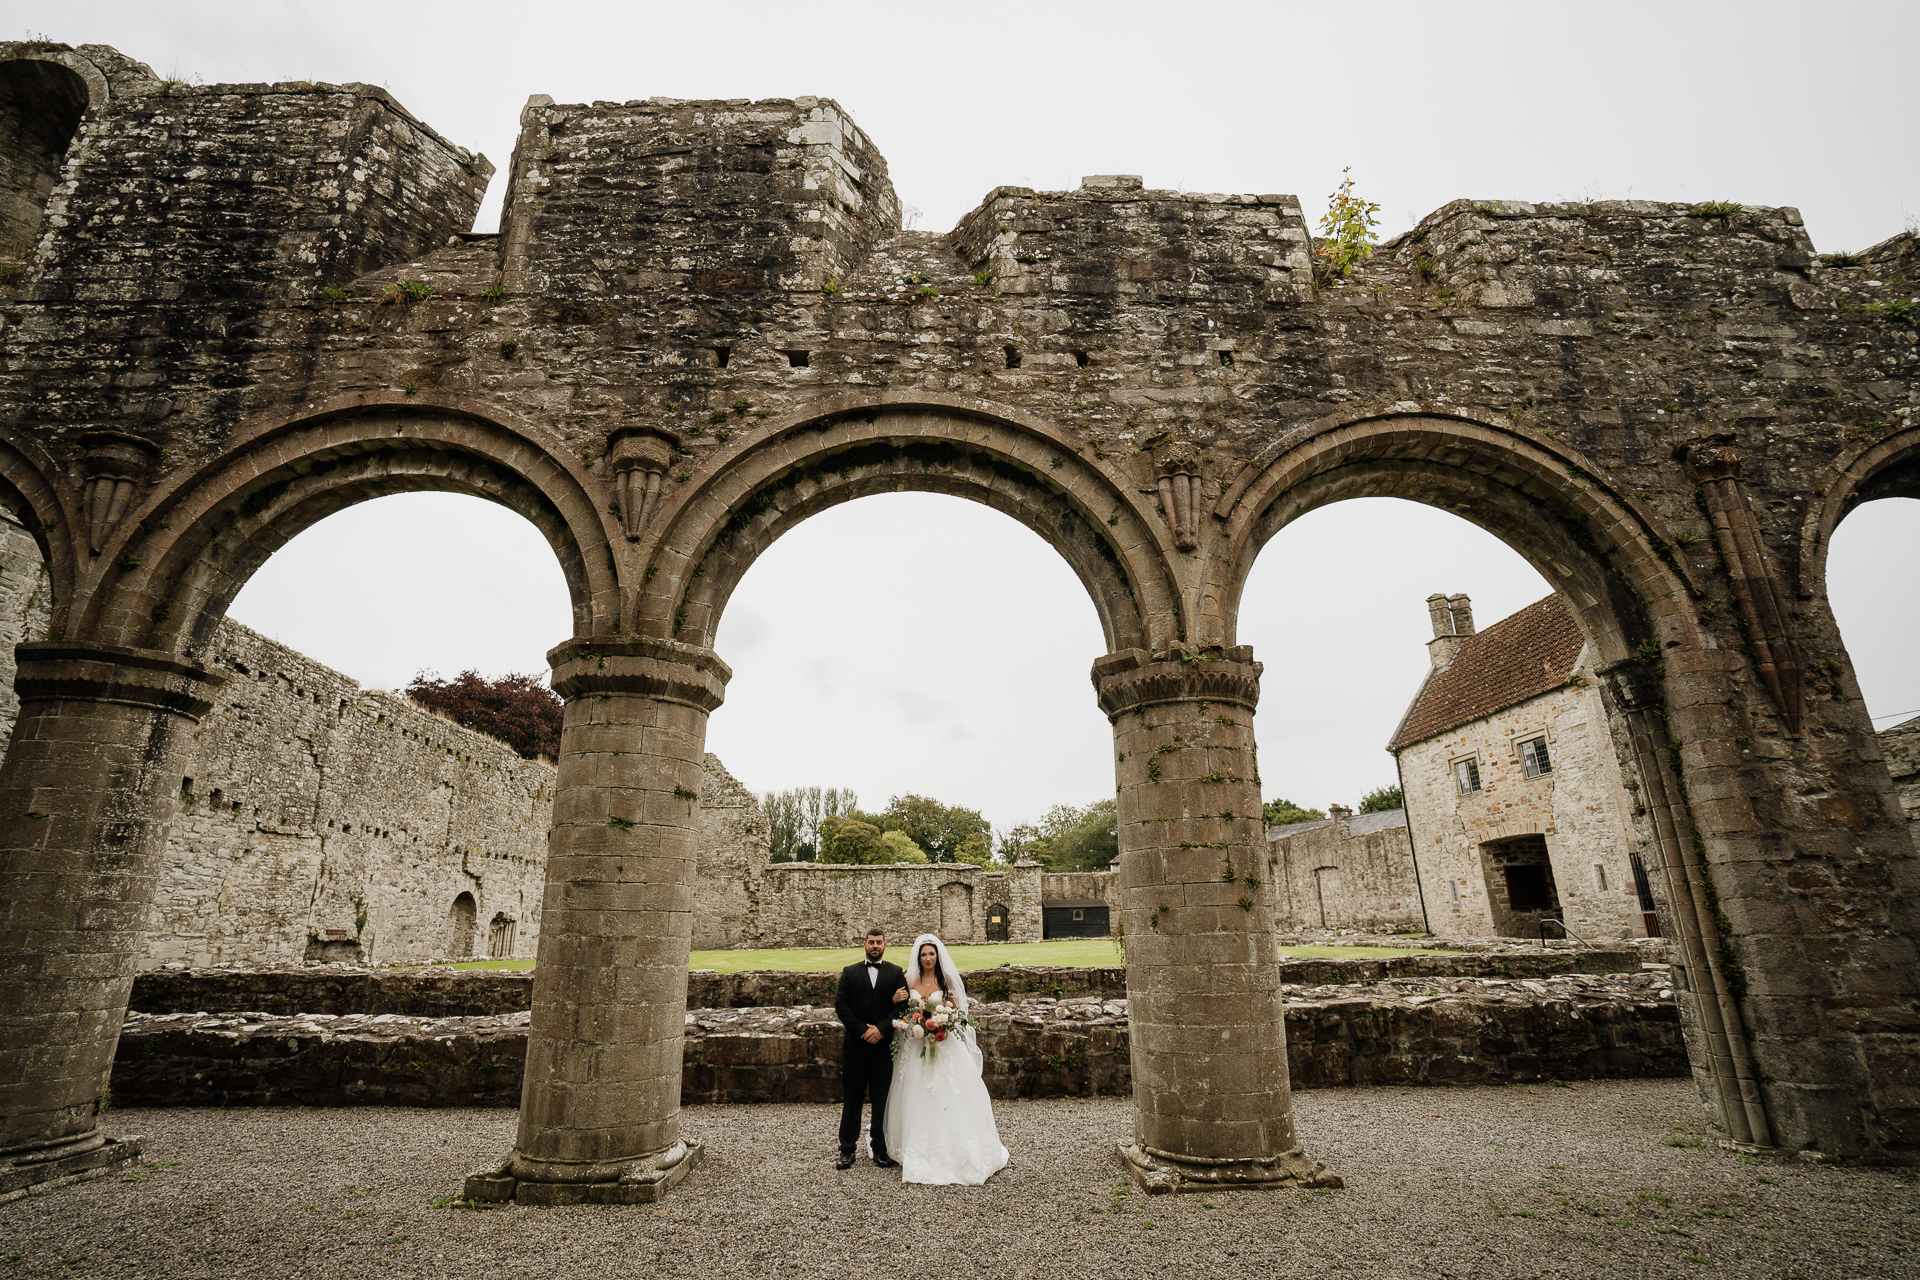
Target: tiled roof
point(1517, 658)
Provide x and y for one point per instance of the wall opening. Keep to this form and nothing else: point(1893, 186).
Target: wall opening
point(461, 918)
point(40, 108)
point(1521, 890)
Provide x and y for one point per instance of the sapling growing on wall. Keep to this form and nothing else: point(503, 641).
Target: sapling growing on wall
point(1348, 223)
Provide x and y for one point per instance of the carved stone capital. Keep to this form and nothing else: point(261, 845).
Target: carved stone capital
point(1176, 465)
point(633, 665)
point(1134, 678)
point(116, 466)
point(638, 458)
point(1710, 458)
point(61, 670)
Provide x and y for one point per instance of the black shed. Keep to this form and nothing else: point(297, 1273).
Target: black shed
point(1074, 918)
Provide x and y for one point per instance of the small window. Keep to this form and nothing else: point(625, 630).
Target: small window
point(1082, 359)
point(1226, 359)
point(1453, 890)
point(1599, 878)
point(797, 359)
point(1013, 357)
point(1079, 913)
point(721, 355)
point(1533, 757)
point(1466, 775)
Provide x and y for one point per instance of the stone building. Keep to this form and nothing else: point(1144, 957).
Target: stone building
point(247, 306)
point(1515, 802)
point(1347, 871)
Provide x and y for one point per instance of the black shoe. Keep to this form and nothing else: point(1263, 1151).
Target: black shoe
point(881, 1162)
point(845, 1161)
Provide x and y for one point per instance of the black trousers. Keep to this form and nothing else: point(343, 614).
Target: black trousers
point(865, 1069)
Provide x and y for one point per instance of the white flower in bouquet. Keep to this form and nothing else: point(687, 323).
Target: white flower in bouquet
point(918, 1031)
point(899, 1024)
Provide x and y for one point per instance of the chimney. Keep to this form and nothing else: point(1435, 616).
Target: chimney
point(1339, 812)
point(1452, 623)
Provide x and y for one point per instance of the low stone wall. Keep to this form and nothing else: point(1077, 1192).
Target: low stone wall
point(1429, 1031)
point(452, 993)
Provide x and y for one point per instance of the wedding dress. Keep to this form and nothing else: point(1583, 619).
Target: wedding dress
point(939, 1119)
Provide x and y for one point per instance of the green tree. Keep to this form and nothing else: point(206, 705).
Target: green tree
point(1281, 813)
point(901, 847)
point(847, 841)
point(1382, 800)
point(940, 829)
point(794, 817)
point(976, 848)
point(1068, 838)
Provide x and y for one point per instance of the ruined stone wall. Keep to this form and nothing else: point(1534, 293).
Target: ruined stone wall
point(734, 845)
point(1354, 873)
point(1581, 808)
point(817, 904)
point(1901, 745)
point(26, 604)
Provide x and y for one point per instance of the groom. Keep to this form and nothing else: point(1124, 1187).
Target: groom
point(868, 991)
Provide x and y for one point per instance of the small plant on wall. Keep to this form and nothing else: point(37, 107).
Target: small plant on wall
point(1348, 223)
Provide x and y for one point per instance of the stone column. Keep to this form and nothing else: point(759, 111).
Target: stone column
point(87, 796)
point(600, 1109)
point(1212, 1104)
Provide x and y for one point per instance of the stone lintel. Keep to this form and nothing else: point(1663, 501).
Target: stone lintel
point(634, 665)
point(30, 1172)
point(641, 1180)
point(1132, 678)
point(1159, 1172)
point(65, 670)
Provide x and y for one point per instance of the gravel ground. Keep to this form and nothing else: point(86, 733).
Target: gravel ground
point(1603, 1179)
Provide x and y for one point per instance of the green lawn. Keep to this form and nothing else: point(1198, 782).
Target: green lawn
point(1077, 953)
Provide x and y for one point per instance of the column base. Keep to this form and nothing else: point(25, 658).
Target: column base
point(32, 1173)
point(641, 1180)
point(1159, 1173)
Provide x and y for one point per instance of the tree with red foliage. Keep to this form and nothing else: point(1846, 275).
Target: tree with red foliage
point(517, 709)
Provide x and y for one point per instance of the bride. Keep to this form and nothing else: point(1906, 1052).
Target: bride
point(939, 1120)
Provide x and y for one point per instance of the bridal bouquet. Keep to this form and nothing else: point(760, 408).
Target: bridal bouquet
point(927, 1023)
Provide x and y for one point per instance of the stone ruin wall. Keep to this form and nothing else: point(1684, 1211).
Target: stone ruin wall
point(1901, 744)
point(321, 820)
point(1345, 873)
point(814, 904)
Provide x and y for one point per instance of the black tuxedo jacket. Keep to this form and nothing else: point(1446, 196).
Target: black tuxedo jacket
point(859, 1003)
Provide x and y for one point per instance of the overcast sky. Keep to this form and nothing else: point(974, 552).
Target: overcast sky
point(921, 643)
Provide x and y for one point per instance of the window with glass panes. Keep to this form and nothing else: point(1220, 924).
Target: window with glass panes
point(1466, 775)
point(1533, 757)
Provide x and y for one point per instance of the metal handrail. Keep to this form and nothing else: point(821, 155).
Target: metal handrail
point(1563, 929)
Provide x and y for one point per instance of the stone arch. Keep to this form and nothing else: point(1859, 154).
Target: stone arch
point(1889, 468)
point(711, 535)
point(26, 488)
point(44, 94)
point(463, 918)
point(1598, 548)
point(169, 572)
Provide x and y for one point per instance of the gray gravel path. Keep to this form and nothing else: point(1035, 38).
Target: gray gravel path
point(1479, 1182)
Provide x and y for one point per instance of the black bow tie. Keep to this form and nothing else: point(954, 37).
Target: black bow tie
point(873, 964)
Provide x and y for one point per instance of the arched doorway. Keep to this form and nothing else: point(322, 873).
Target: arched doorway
point(462, 918)
point(41, 102)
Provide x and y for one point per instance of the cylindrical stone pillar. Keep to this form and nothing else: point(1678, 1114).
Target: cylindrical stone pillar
point(600, 1108)
point(87, 796)
point(1208, 1036)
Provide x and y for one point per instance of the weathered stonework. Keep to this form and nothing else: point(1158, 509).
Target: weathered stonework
point(1151, 380)
point(1440, 1031)
point(1347, 871)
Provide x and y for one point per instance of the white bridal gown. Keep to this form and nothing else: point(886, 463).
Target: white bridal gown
point(939, 1117)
